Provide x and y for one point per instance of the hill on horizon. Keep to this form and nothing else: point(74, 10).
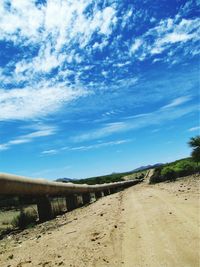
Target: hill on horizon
point(113, 177)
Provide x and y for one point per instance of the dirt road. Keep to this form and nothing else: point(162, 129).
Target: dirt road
point(161, 228)
point(145, 225)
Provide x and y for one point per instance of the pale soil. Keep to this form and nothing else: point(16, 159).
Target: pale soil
point(145, 225)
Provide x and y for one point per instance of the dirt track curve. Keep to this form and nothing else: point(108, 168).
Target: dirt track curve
point(145, 225)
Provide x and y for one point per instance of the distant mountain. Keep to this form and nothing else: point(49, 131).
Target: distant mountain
point(143, 168)
point(64, 180)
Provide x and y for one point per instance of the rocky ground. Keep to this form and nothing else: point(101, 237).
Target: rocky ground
point(145, 225)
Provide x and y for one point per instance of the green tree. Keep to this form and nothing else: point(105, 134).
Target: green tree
point(195, 144)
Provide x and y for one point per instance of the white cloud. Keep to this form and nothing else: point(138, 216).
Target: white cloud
point(50, 152)
point(108, 20)
point(119, 65)
point(107, 130)
point(105, 144)
point(18, 141)
point(165, 35)
point(29, 103)
point(43, 63)
point(175, 37)
point(3, 147)
point(53, 28)
point(177, 102)
point(42, 131)
point(136, 45)
point(136, 122)
point(189, 7)
point(193, 129)
point(87, 147)
point(101, 45)
point(63, 20)
point(22, 18)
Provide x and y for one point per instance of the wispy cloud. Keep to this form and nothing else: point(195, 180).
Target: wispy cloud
point(3, 147)
point(49, 41)
point(177, 102)
point(86, 147)
point(61, 40)
point(105, 144)
point(107, 130)
point(50, 152)
point(42, 131)
point(171, 35)
point(29, 103)
point(194, 129)
point(136, 122)
point(136, 45)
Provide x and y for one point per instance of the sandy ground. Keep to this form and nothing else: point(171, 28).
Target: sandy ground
point(145, 225)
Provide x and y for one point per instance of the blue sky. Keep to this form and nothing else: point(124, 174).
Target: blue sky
point(95, 87)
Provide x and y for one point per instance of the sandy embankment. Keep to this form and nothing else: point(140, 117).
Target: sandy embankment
point(145, 225)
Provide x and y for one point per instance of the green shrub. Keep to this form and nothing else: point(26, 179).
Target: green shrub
point(171, 171)
point(184, 168)
point(156, 177)
point(24, 219)
point(168, 173)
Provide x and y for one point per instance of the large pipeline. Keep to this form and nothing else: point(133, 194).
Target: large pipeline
point(19, 185)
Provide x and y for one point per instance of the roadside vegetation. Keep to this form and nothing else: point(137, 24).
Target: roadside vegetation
point(174, 170)
point(100, 179)
point(111, 178)
point(21, 215)
point(25, 219)
point(179, 168)
point(17, 219)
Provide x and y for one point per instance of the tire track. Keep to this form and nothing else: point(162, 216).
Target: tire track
point(157, 231)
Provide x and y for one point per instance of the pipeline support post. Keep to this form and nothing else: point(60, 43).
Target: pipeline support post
point(92, 197)
point(112, 190)
point(99, 194)
point(44, 208)
point(89, 197)
point(86, 198)
point(79, 200)
point(106, 192)
point(71, 202)
point(118, 189)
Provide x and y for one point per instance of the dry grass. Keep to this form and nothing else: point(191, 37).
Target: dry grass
point(6, 217)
